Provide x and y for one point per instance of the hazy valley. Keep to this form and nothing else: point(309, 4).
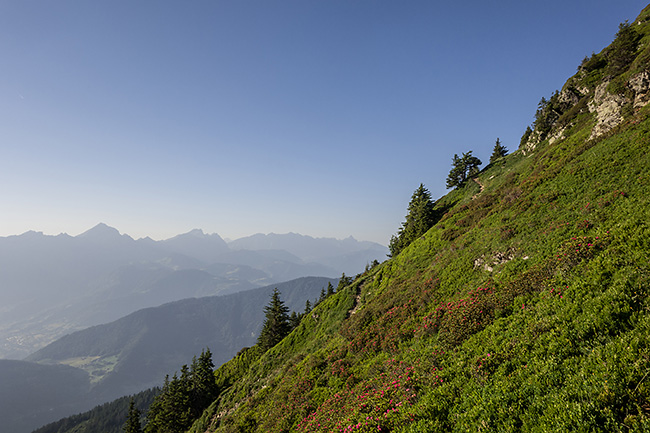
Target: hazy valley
point(53, 285)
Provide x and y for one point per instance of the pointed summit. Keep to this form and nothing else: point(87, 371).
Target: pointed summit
point(198, 233)
point(197, 244)
point(102, 232)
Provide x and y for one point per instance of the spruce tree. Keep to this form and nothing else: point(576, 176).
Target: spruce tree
point(183, 399)
point(203, 388)
point(622, 51)
point(276, 322)
point(330, 289)
point(420, 218)
point(171, 411)
point(294, 320)
point(472, 164)
point(457, 173)
point(133, 419)
point(526, 136)
point(499, 151)
point(343, 281)
point(462, 169)
point(322, 296)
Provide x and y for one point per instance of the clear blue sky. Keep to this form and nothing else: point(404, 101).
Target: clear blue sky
point(238, 117)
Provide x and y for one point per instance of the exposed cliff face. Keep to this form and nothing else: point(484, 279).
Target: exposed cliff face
point(608, 89)
point(640, 85)
point(607, 107)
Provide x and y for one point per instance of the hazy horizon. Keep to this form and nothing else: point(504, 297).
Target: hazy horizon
point(225, 238)
point(313, 117)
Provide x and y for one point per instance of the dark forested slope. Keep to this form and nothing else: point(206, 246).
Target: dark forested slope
point(31, 394)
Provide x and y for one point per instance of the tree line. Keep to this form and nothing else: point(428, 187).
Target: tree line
point(421, 212)
point(181, 400)
point(184, 397)
point(277, 321)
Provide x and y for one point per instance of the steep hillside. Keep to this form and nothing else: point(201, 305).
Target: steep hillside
point(523, 308)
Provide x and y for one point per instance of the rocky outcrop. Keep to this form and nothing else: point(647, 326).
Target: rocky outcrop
point(561, 103)
point(558, 135)
point(532, 142)
point(498, 258)
point(607, 107)
point(640, 85)
point(569, 97)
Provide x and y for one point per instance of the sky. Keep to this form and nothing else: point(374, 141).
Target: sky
point(243, 117)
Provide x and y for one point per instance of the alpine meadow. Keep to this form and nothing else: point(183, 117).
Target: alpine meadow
point(516, 302)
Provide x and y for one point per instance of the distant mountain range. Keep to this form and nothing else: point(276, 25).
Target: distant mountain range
point(134, 353)
point(53, 285)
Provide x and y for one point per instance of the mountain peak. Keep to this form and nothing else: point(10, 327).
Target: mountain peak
point(198, 244)
point(197, 234)
point(102, 232)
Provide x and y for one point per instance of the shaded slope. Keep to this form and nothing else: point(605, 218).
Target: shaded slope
point(33, 394)
point(105, 418)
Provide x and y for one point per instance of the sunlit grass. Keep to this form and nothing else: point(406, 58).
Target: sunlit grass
point(524, 308)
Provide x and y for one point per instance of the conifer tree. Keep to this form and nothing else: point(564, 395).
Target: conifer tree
point(343, 281)
point(322, 296)
point(420, 218)
point(203, 388)
point(171, 412)
point(526, 136)
point(330, 289)
point(499, 151)
point(462, 169)
point(294, 320)
point(133, 419)
point(276, 322)
point(621, 52)
point(307, 307)
point(457, 173)
point(183, 399)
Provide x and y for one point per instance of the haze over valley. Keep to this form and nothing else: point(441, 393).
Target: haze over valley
point(53, 285)
point(89, 318)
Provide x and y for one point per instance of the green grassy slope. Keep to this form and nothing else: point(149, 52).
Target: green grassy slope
point(524, 308)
